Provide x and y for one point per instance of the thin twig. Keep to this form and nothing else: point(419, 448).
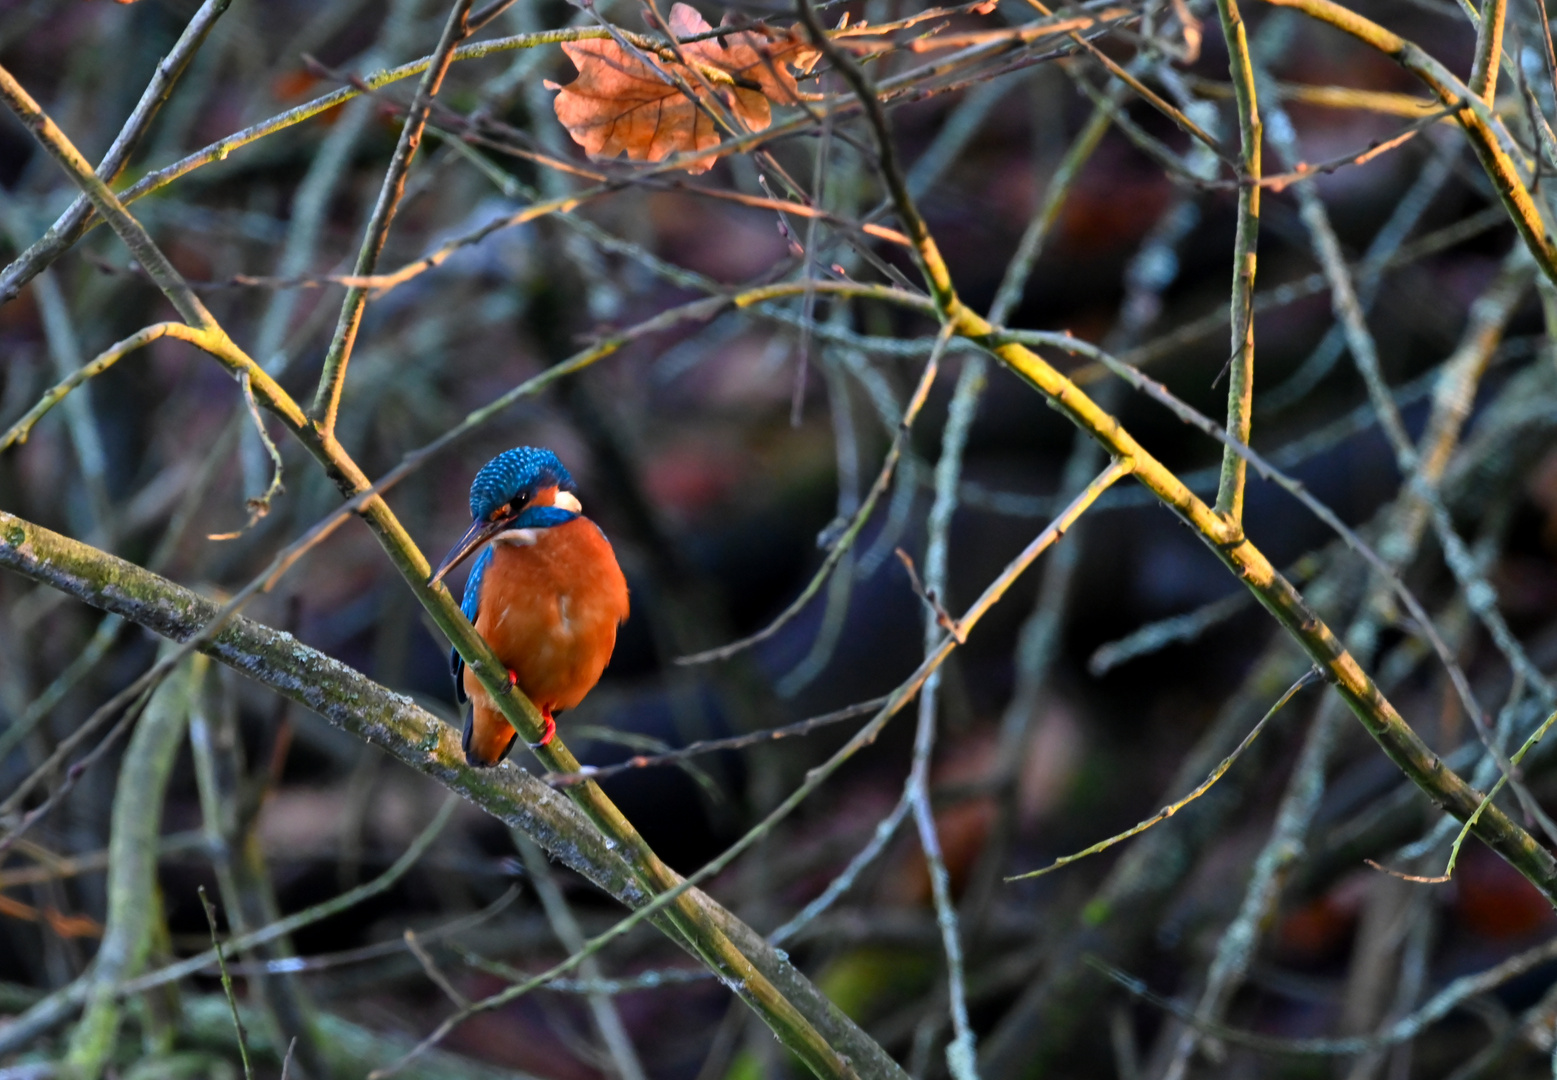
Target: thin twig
point(431, 969)
point(941, 616)
point(1487, 134)
point(258, 505)
point(232, 1001)
point(1309, 676)
point(608, 1021)
point(1409, 1027)
point(1311, 285)
point(646, 980)
point(691, 920)
point(1237, 944)
point(885, 830)
point(1363, 696)
point(900, 697)
point(345, 957)
point(962, 1052)
point(327, 399)
point(1171, 631)
point(709, 746)
point(845, 540)
point(68, 227)
point(1150, 96)
point(1240, 383)
point(1367, 276)
point(1020, 268)
point(1225, 537)
point(19, 431)
point(1454, 852)
point(1160, 393)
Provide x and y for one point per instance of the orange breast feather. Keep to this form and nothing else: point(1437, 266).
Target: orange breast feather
point(550, 610)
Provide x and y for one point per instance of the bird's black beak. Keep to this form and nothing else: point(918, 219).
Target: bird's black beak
point(478, 533)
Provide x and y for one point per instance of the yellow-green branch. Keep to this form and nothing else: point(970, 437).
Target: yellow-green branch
point(1482, 126)
point(693, 923)
point(1240, 382)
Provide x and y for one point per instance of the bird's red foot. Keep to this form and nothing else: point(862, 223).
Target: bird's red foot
point(513, 678)
point(551, 730)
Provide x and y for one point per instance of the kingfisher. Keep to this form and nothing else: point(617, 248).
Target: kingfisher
point(546, 593)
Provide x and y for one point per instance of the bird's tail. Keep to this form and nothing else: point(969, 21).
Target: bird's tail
point(488, 736)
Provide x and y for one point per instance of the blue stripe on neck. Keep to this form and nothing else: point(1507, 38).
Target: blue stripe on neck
point(543, 517)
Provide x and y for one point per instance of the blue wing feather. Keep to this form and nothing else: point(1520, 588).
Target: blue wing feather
point(472, 600)
point(470, 605)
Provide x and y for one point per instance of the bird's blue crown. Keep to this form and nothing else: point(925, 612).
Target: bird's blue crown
point(524, 468)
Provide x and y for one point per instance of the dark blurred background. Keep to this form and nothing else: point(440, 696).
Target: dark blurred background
point(714, 494)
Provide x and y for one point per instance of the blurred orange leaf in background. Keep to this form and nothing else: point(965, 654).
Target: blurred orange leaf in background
point(66, 926)
point(621, 104)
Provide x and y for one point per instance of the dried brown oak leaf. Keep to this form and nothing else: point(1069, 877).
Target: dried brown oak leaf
point(619, 104)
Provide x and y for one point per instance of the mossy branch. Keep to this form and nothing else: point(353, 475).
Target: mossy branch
point(132, 866)
point(351, 701)
point(692, 923)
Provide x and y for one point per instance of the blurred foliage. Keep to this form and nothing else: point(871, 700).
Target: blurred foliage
point(722, 451)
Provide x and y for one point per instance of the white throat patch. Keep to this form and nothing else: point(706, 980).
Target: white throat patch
point(516, 537)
